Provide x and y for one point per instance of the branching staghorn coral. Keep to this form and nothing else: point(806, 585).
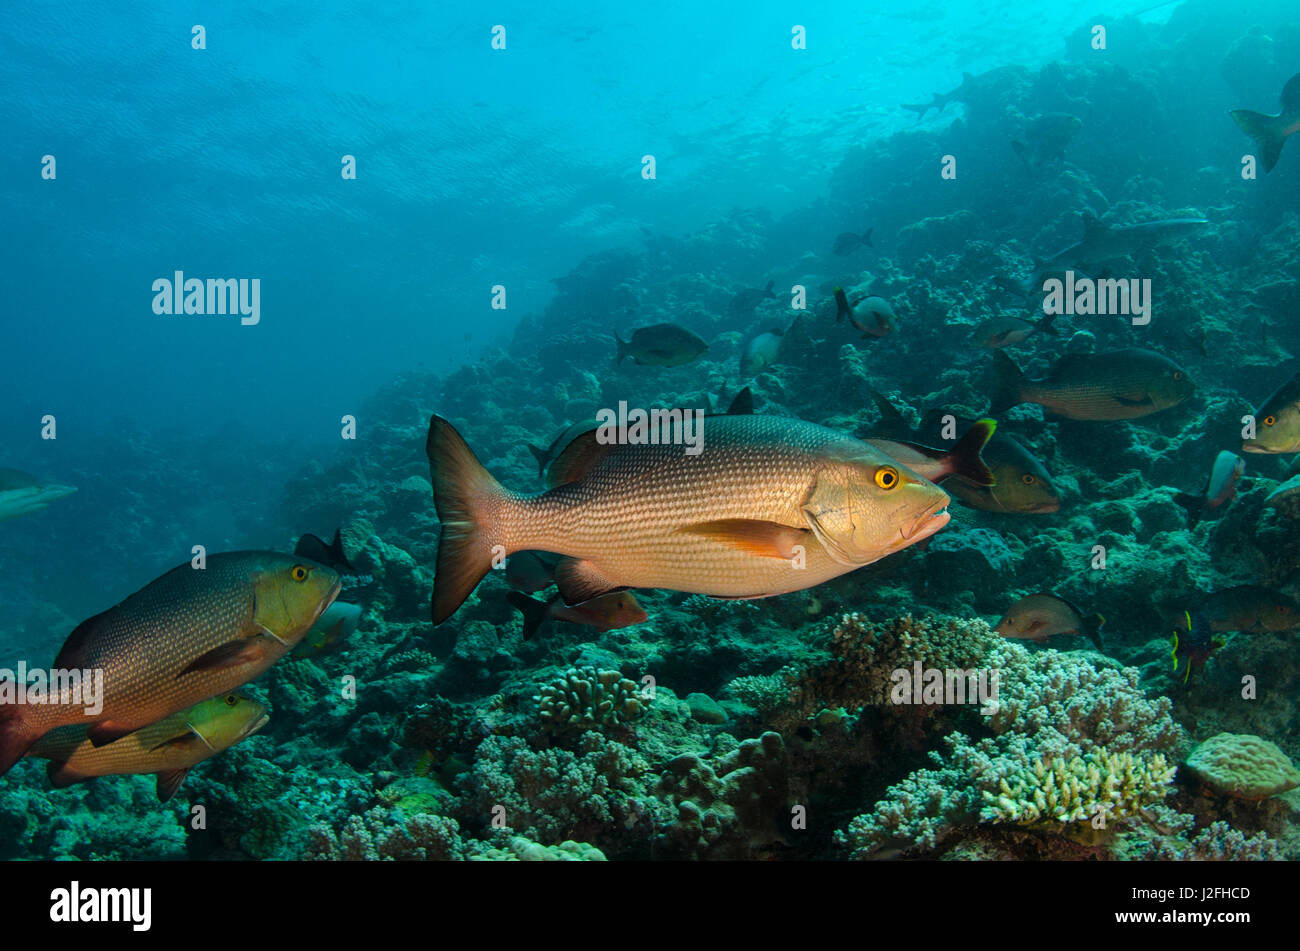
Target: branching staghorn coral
point(1080, 789)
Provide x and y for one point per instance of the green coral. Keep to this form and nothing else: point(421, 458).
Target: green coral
point(1243, 766)
point(1078, 789)
point(586, 697)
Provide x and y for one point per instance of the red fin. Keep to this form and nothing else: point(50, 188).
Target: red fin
point(461, 487)
point(169, 782)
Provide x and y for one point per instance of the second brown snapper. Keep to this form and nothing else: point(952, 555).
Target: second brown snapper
point(169, 748)
point(770, 505)
point(189, 635)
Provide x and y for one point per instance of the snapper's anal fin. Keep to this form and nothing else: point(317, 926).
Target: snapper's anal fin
point(169, 781)
point(580, 580)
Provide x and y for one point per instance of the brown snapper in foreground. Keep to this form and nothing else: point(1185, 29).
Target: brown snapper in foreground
point(770, 505)
point(187, 636)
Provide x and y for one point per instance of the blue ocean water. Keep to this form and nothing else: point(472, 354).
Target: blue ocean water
point(477, 168)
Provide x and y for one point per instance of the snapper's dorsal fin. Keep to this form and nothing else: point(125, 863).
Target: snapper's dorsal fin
point(577, 459)
point(72, 655)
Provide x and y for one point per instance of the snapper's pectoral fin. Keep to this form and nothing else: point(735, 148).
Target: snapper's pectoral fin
point(580, 580)
point(1144, 400)
point(753, 536)
point(170, 781)
point(230, 654)
point(106, 731)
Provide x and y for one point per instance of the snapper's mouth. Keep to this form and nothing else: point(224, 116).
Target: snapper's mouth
point(927, 523)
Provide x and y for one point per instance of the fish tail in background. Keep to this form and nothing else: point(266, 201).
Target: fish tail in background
point(1047, 324)
point(534, 611)
point(540, 455)
point(622, 349)
point(15, 738)
point(1267, 131)
point(1194, 504)
point(1009, 383)
point(842, 308)
point(889, 413)
point(1092, 627)
point(966, 459)
point(464, 493)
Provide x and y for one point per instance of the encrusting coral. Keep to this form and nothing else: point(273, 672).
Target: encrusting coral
point(1243, 766)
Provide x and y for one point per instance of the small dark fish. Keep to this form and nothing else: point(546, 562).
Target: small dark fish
point(548, 455)
point(749, 298)
point(608, 612)
point(873, 316)
point(311, 546)
point(760, 352)
point(1022, 484)
point(1045, 139)
point(1271, 132)
point(1220, 488)
point(336, 625)
point(1277, 421)
point(1192, 643)
point(1007, 330)
point(1037, 617)
point(661, 345)
point(1120, 384)
point(849, 240)
point(531, 571)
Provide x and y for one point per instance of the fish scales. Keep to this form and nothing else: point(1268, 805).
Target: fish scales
point(730, 521)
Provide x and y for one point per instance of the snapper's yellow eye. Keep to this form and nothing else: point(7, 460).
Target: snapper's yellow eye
point(299, 573)
point(887, 477)
point(1270, 420)
point(1178, 375)
point(231, 700)
point(1028, 478)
